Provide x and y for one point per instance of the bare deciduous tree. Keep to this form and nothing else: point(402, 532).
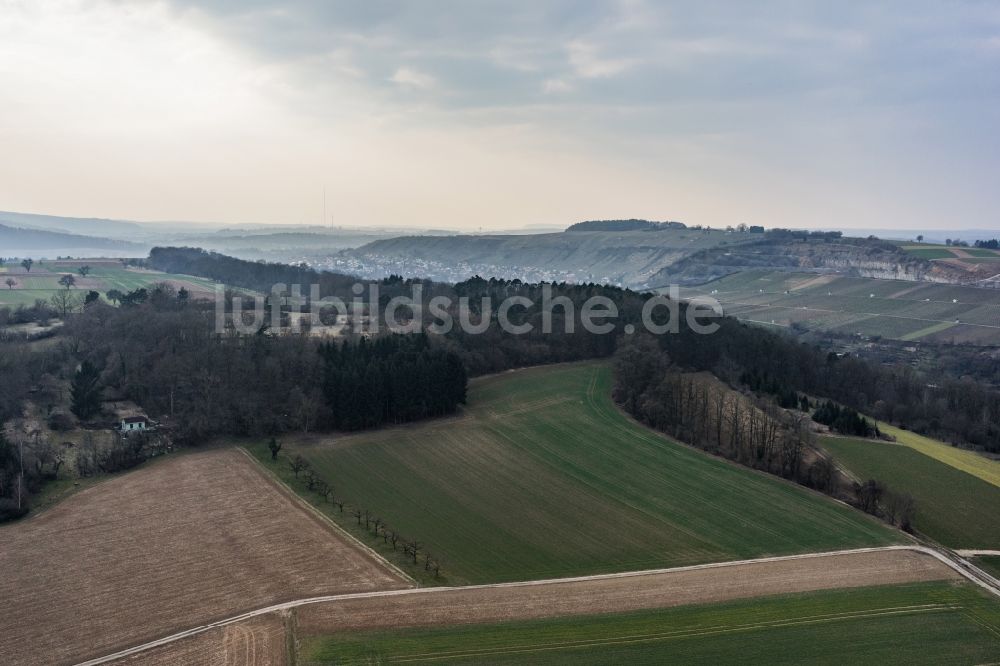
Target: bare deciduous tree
point(298, 464)
point(324, 489)
point(64, 302)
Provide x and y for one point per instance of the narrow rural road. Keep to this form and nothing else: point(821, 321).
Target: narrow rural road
point(690, 584)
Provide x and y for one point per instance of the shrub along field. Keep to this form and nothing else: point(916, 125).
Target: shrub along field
point(953, 507)
point(926, 623)
point(542, 476)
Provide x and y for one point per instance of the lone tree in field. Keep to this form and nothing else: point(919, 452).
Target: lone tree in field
point(114, 296)
point(11, 282)
point(64, 302)
point(28, 263)
point(298, 464)
point(274, 445)
point(67, 280)
point(83, 271)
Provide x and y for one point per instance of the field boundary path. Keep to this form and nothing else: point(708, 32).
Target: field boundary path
point(309, 508)
point(908, 568)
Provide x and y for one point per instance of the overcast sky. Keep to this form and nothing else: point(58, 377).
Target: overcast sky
point(503, 114)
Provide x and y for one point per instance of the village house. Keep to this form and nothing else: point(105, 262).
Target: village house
point(135, 424)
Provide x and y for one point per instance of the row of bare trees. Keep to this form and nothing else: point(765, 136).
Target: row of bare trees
point(373, 524)
point(743, 426)
point(876, 498)
point(700, 410)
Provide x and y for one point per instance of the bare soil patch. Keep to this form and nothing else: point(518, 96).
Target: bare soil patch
point(627, 593)
point(171, 546)
point(259, 640)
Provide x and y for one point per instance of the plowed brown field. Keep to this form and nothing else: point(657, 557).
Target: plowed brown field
point(171, 546)
point(267, 638)
point(612, 594)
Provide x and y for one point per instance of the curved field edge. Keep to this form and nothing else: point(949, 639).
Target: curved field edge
point(961, 459)
point(935, 622)
point(954, 508)
point(542, 476)
point(341, 518)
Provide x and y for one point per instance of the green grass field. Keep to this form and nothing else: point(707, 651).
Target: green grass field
point(981, 252)
point(967, 461)
point(928, 623)
point(986, 259)
point(43, 280)
point(989, 564)
point(954, 508)
point(543, 476)
point(930, 252)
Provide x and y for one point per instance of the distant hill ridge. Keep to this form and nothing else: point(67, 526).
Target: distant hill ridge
point(14, 240)
point(632, 224)
point(94, 226)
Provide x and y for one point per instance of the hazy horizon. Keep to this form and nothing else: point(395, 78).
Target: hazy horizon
point(500, 116)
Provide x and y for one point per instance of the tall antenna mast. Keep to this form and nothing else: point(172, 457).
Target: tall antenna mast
point(324, 204)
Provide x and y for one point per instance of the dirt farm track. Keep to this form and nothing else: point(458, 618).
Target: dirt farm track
point(258, 637)
point(176, 544)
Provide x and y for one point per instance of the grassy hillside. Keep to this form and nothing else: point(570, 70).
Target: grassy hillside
point(897, 309)
point(930, 623)
point(43, 280)
point(542, 476)
point(955, 508)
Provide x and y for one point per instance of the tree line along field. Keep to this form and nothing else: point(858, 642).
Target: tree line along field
point(542, 476)
point(105, 274)
point(953, 507)
point(922, 623)
point(897, 309)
